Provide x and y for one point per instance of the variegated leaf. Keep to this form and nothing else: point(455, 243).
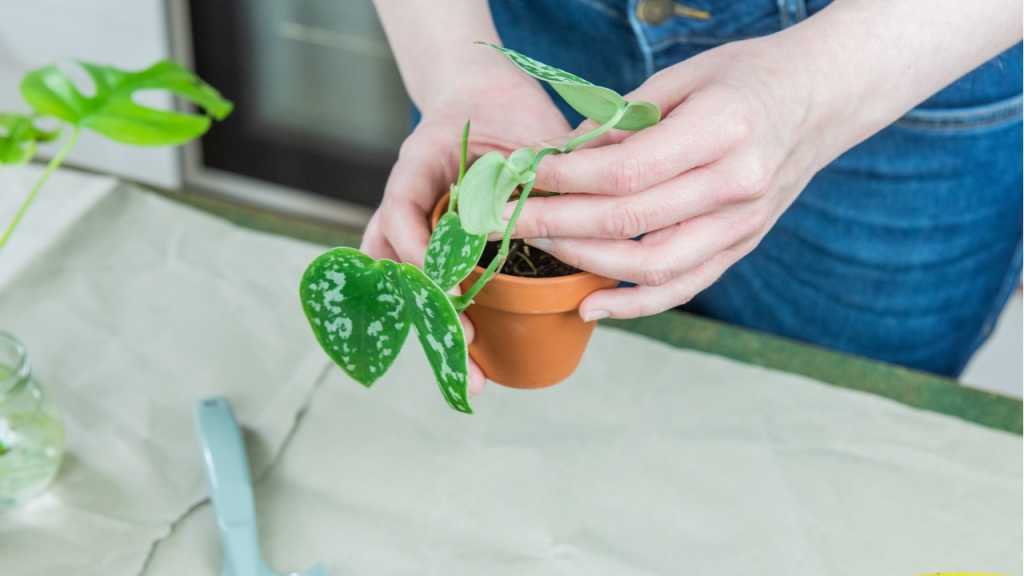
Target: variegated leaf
point(356, 308)
point(452, 252)
point(440, 333)
point(595, 102)
point(488, 185)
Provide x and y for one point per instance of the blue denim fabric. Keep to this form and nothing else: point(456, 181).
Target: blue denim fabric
point(904, 249)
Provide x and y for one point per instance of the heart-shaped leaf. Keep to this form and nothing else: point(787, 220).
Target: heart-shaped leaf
point(441, 335)
point(360, 310)
point(18, 137)
point(356, 307)
point(488, 185)
point(452, 252)
point(112, 110)
point(598, 103)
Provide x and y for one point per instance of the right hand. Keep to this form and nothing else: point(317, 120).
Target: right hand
point(505, 114)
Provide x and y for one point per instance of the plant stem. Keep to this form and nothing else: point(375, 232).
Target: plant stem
point(584, 138)
point(462, 302)
point(51, 167)
point(453, 197)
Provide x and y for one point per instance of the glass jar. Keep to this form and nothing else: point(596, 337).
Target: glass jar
point(31, 432)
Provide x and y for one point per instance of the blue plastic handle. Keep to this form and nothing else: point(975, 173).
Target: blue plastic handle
point(230, 486)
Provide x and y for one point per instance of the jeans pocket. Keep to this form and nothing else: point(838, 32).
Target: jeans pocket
point(963, 120)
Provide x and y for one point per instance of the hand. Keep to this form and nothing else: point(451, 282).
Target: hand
point(507, 112)
point(702, 187)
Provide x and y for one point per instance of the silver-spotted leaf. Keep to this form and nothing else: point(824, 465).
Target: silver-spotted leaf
point(18, 138)
point(452, 252)
point(598, 103)
point(440, 333)
point(357, 309)
point(113, 112)
point(488, 185)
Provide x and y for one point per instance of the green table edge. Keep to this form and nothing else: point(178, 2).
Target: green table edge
point(916, 389)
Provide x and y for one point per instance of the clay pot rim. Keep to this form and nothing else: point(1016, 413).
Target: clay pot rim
point(509, 278)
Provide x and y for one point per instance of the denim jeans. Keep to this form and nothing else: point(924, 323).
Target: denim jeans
point(904, 249)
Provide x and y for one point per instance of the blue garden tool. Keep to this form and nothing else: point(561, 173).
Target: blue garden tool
point(231, 491)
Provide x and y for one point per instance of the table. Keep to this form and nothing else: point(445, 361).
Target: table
point(688, 331)
point(702, 464)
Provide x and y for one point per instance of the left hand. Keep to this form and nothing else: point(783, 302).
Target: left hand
point(736, 146)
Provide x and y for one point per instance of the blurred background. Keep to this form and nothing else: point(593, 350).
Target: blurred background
point(320, 109)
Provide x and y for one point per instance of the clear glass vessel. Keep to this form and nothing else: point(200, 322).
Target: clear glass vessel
point(31, 432)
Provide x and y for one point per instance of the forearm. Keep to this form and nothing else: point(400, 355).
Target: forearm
point(433, 43)
point(867, 62)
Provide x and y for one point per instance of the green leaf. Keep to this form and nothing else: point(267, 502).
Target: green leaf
point(18, 137)
point(360, 310)
point(441, 335)
point(639, 115)
point(488, 185)
point(112, 110)
point(452, 252)
point(598, 103)
point(356, 308)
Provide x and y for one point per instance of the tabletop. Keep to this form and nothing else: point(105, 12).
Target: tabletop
point(911, 387)
point(680, 442)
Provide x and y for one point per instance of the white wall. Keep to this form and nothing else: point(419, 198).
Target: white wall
point(125, 33)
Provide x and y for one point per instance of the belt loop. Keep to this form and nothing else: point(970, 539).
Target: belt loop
point(791, 12)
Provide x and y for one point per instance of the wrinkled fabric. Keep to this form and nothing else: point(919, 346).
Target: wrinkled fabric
point(650, 460)
point(132, 308)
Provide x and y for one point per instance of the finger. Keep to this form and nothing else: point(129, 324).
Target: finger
point(637, 301)
point(694, 134)
point(595, 216)
point(476, 379)
point(654, 260)
point(467, 328)
point(609, 137)
point(374, 243)
point(408, 199)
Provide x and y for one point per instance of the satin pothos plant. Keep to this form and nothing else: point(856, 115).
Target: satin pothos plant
point(111, 111)
point(361, 309)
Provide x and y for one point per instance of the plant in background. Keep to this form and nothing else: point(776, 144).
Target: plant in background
point(361, 309)
point(111, 111)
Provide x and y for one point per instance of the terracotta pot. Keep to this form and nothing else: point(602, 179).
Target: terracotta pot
point(529, 333)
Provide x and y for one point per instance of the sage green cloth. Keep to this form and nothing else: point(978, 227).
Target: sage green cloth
point(132, 308)
point(649, 461)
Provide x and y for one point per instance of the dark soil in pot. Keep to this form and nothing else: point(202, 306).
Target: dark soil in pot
point(526, 261)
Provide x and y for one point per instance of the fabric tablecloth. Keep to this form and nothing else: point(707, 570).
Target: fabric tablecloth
point(132, 308)
point(649, 460)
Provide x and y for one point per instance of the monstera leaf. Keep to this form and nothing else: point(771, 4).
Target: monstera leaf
point(112, 110)
point(18, 137)
point(598, 103)
point(361, 309)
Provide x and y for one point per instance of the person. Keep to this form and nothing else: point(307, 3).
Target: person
point(846, 173)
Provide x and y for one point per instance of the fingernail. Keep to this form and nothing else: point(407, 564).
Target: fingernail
point(542, 243)
point(592, 315)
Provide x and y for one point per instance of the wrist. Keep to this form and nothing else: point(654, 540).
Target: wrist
point(836, 98)
point(474, 84)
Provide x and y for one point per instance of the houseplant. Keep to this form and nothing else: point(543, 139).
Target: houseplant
point(31, 433)
point(361, 309)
